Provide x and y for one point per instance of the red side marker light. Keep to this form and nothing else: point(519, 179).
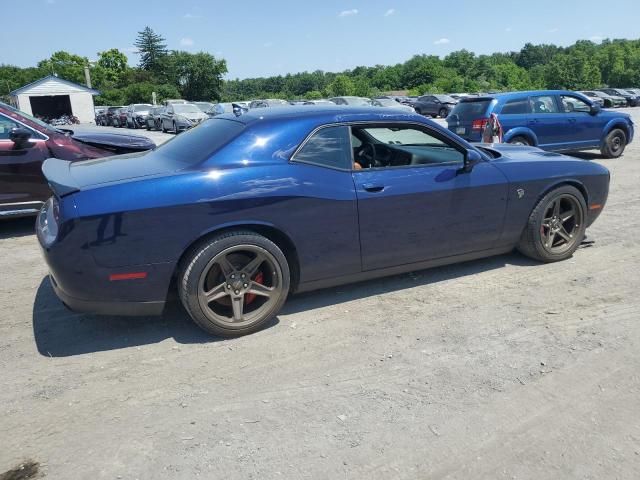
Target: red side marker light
point(114, 277)
point(595, 206)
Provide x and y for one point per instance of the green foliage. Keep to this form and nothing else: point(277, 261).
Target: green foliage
point(342, 85)
point(110, 68)
point(65, 65)
point(198, 76)
point(151, 48)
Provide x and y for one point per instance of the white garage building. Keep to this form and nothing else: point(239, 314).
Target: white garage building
point(51, 97)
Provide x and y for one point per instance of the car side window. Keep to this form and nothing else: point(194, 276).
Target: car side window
point(516, 106)
point(6, 124)
point(574, 104)
point(329, 147)
point(397, 146)
point(544, 104)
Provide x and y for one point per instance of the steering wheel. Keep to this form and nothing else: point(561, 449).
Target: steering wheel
point(367, 155)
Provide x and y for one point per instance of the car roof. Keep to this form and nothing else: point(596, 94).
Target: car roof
point(322, 114)
point(507, 95)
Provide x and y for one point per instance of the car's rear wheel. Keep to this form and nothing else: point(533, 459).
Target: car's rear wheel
point(614, 144)
point(443, 113)
point(233, 284)
point(175, 128)
point(164, 130)
point(520, 140)
point(556, 226)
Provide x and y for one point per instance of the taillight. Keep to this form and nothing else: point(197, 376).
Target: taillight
point(479, 123)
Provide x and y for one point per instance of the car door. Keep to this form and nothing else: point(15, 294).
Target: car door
point(547, 121)
point(21, 179)
point(428, 105)
point(584, 129)
point(420, 205)
point(167, 117)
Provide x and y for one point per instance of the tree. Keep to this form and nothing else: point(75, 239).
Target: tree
point(341, 86)
point(198, 76)
point(151, 48)
point(110, 68)
point(65, 65)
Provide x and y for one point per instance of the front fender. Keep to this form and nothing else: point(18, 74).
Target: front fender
point(521, 132)
point(622, 123)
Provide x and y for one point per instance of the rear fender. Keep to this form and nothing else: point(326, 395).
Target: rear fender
point(521, 132)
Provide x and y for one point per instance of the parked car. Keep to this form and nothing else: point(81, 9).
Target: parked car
point(99, 112)
point(435, 105)
point(319, 102)
point(388, 103)
point(120, 117)
point(352, 101)
point(178, 117)
point(137, 114)
point(634, 91)
point(25, 142)
point(204, 106)
point(555, 120)
point(328, 196)
point(108, 119)
point(172, 101)
point(610, 101)
point(270, 102)
point(152, 120)
point(631, 98)
point(596, 99)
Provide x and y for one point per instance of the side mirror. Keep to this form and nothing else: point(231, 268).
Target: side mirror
point(595, 109)
point(20, 135)
point(471, 159)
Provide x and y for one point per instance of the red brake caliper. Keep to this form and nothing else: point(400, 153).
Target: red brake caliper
point(250, 297)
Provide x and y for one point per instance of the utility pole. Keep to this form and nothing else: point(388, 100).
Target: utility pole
point(87, 76)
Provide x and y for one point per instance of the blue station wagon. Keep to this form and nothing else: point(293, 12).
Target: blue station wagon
point(554, 120)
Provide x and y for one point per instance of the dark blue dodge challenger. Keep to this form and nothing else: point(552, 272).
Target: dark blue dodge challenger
point(242, 210)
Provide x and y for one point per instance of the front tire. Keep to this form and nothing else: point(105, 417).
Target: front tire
point(443, 113)
point(556, 226)
point(233, 284)
point(614, 144)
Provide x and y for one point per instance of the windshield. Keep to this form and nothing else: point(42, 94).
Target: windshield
point(35, 120)
point(385, 102)
point(471, 110)
point(141, 108)
point(445, 98)
point(185, 108)
point(199, 143)
point(204, 106)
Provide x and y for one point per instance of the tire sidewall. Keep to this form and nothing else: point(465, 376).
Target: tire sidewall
point(608, 143)
point(520, 141)
point(197, 261)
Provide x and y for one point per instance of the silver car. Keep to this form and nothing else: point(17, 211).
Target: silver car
point(179, 117)
point(389, 103)
point(137, 114)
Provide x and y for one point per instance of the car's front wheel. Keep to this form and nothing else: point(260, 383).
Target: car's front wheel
point(443, 113)
point(556, 226)
point(233, 284)
point(614, 144)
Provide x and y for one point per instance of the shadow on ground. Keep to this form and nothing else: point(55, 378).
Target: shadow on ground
point(17, 227)
point(61, 333)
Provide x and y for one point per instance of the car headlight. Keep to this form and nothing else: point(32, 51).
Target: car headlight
point(47, 225)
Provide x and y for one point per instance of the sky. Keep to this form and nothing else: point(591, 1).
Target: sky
point(273, 37)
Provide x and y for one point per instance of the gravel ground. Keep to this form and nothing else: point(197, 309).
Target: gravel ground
point(498, 368)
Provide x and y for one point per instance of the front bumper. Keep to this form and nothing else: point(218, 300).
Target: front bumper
point(128, 309)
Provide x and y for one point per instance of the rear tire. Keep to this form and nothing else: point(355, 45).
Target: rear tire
point(443, 113)
point(219, 276)
point(556, 226)
point(520, 140)
point(614, 144)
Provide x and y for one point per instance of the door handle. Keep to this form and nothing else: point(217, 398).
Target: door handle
point(373, 187)
point(533, 121)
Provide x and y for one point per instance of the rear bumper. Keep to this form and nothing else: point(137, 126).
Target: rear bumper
point(107, 308)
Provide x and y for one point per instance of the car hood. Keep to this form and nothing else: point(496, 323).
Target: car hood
point(115, 140)
point(192, 116)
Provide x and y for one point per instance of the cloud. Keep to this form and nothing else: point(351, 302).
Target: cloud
point(390, 12)
point(442, 41)
point(186, 42)
point(508, 29)
point(596, 38)
point(348, 13)
point(191, 16)
point(553, 30)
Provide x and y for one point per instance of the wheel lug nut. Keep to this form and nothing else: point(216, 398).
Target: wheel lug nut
point(229, 287)
point(243, 275)
point(237, 292)
point(246, 285)
point(233, 276)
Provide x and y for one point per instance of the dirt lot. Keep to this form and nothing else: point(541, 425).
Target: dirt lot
point(499, 368)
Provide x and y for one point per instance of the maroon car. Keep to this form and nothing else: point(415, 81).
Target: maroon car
point(25, 142)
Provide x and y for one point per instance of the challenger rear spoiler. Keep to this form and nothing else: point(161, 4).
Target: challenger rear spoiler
point(58, 175)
